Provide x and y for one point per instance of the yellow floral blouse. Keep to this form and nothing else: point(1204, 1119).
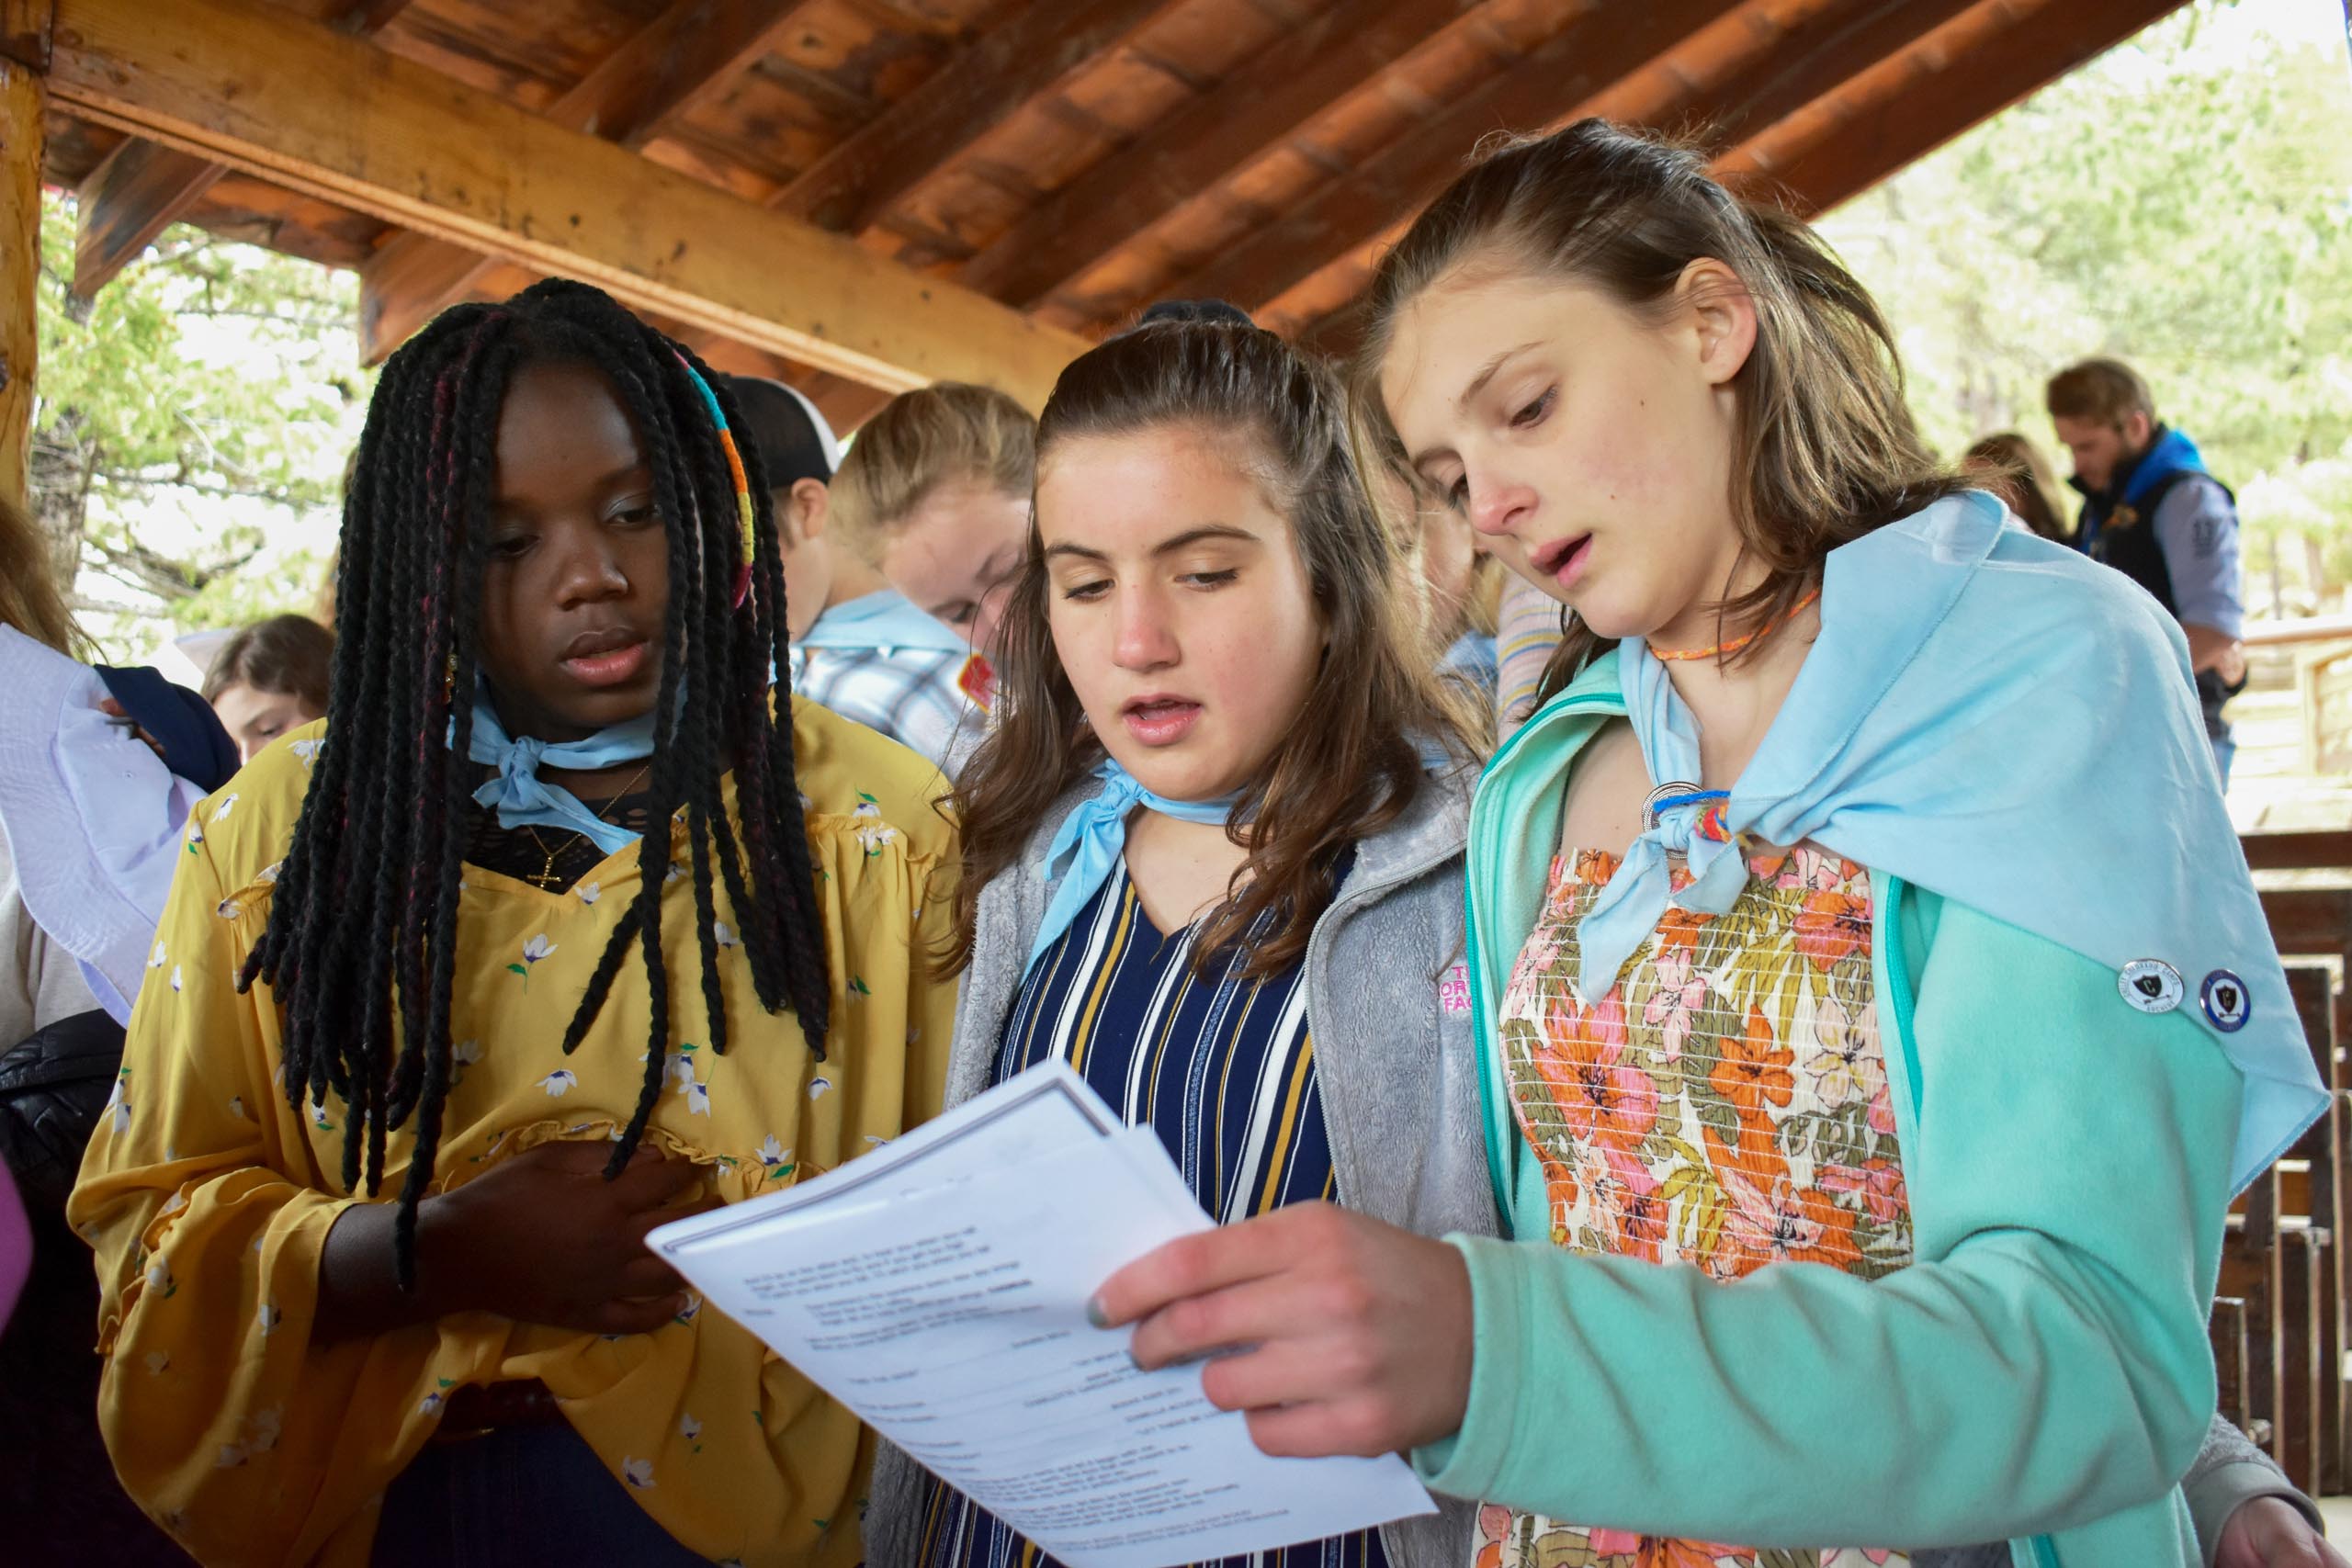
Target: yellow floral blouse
point(209, 1198)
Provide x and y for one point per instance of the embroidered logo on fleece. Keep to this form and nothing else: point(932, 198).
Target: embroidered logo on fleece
point(1454, 990)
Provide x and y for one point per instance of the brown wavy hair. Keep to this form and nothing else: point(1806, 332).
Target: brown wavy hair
point(1826, 449)
point(1352, 763)
point(2009, 464)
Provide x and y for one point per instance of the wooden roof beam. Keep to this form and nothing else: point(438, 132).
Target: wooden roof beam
point(136, 192)
point(240, 82)
point(1811, 61)
point(985, 85)
point(681, 59)
point(1266, 99)
point(1566, 72)
point(141, 189)
point(1972, 61)
point(1961, 92)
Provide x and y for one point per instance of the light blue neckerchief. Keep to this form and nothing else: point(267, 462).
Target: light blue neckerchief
point(523, 799)
point(1087, 846)
point(886, 620)
point(1997, 719)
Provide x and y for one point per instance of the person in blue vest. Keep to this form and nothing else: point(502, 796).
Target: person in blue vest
point(2153, 512)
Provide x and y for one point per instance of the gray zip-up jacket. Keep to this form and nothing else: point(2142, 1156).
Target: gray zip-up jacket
point(1392, 1054)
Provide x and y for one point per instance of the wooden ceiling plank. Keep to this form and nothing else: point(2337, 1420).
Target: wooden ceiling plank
point(1963, 92)
point(1329, 56)
point(691, 51)
point(361, 18)
point(134, 195)
point(681, 60)
point(1593, 53)
point(972, 93)
point(238, 80)
point(1954, 90)
point(141, 189)
point(1817, 60)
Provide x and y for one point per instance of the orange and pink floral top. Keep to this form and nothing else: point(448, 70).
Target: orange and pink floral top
point(1725, 1106)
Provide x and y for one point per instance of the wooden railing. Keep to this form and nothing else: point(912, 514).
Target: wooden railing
point(2279, 1319)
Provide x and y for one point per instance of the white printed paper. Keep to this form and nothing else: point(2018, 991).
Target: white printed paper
point(938, 1287)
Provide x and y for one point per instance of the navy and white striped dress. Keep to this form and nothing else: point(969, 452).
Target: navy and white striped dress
point(1223, 1069)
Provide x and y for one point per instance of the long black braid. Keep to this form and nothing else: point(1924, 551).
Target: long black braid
point(361, 946)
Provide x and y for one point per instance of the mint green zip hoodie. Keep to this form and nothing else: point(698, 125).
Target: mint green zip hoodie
point(2040, 1373)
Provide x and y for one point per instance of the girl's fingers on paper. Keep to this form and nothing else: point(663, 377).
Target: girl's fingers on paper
point(1195, 1265)
point(1318, 1431)
point(1254, 1313)
point(1281, 1372)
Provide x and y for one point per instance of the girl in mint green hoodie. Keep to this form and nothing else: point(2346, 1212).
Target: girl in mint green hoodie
point(1876, 1011)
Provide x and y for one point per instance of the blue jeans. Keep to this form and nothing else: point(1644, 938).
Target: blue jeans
point(521, 1495)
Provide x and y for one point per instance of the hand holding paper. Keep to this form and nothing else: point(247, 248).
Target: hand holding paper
point(1350, 1336)
point(939, 1289)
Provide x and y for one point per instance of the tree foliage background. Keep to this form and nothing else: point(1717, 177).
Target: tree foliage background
point(190, 432)
point(2184, 202)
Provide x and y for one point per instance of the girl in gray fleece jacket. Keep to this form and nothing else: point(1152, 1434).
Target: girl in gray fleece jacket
point(1212, 853)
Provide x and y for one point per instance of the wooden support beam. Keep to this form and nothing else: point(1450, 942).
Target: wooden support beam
point(850, 188)
point(1817, 59)
point(236, 81)
point(362, 18)
point(1812, 61)
point(1267, 98)
point(684, 58)
point(687, 53)
point(141, 189)
point(25, 27)
point(22, 105)
point(1552, 82)
point(1964, 90)
point(134, 194)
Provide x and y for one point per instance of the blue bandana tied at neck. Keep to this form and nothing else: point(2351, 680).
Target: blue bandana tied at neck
point(1088, 845)
point(517, 791)
point(1992, 717)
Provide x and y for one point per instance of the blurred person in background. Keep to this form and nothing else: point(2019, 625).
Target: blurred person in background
point(270, 678)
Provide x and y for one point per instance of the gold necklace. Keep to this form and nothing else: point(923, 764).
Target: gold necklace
point(547, 878)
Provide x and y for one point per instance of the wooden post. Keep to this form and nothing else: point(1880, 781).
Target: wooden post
point(22, 102)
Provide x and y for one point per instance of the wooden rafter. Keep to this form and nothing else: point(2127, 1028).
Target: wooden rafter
point(692, 50)
point(141, 189)
point(1267, 98)
point(1551, 82)
point(235, 80)
point(1960, 91)
point(1812, 59)
point(138, 192)
point(978, 90)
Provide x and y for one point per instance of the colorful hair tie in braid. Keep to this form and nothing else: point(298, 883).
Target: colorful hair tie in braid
point(735, 467)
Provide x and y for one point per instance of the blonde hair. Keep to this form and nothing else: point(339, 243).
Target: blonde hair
point(945, 433)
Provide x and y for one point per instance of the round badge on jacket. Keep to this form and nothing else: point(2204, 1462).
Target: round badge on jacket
point(2223, 998)
point(2151, 985)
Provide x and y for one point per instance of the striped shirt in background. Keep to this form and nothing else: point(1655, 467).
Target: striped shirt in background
point(1529, 630)
point(1224, 1070)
